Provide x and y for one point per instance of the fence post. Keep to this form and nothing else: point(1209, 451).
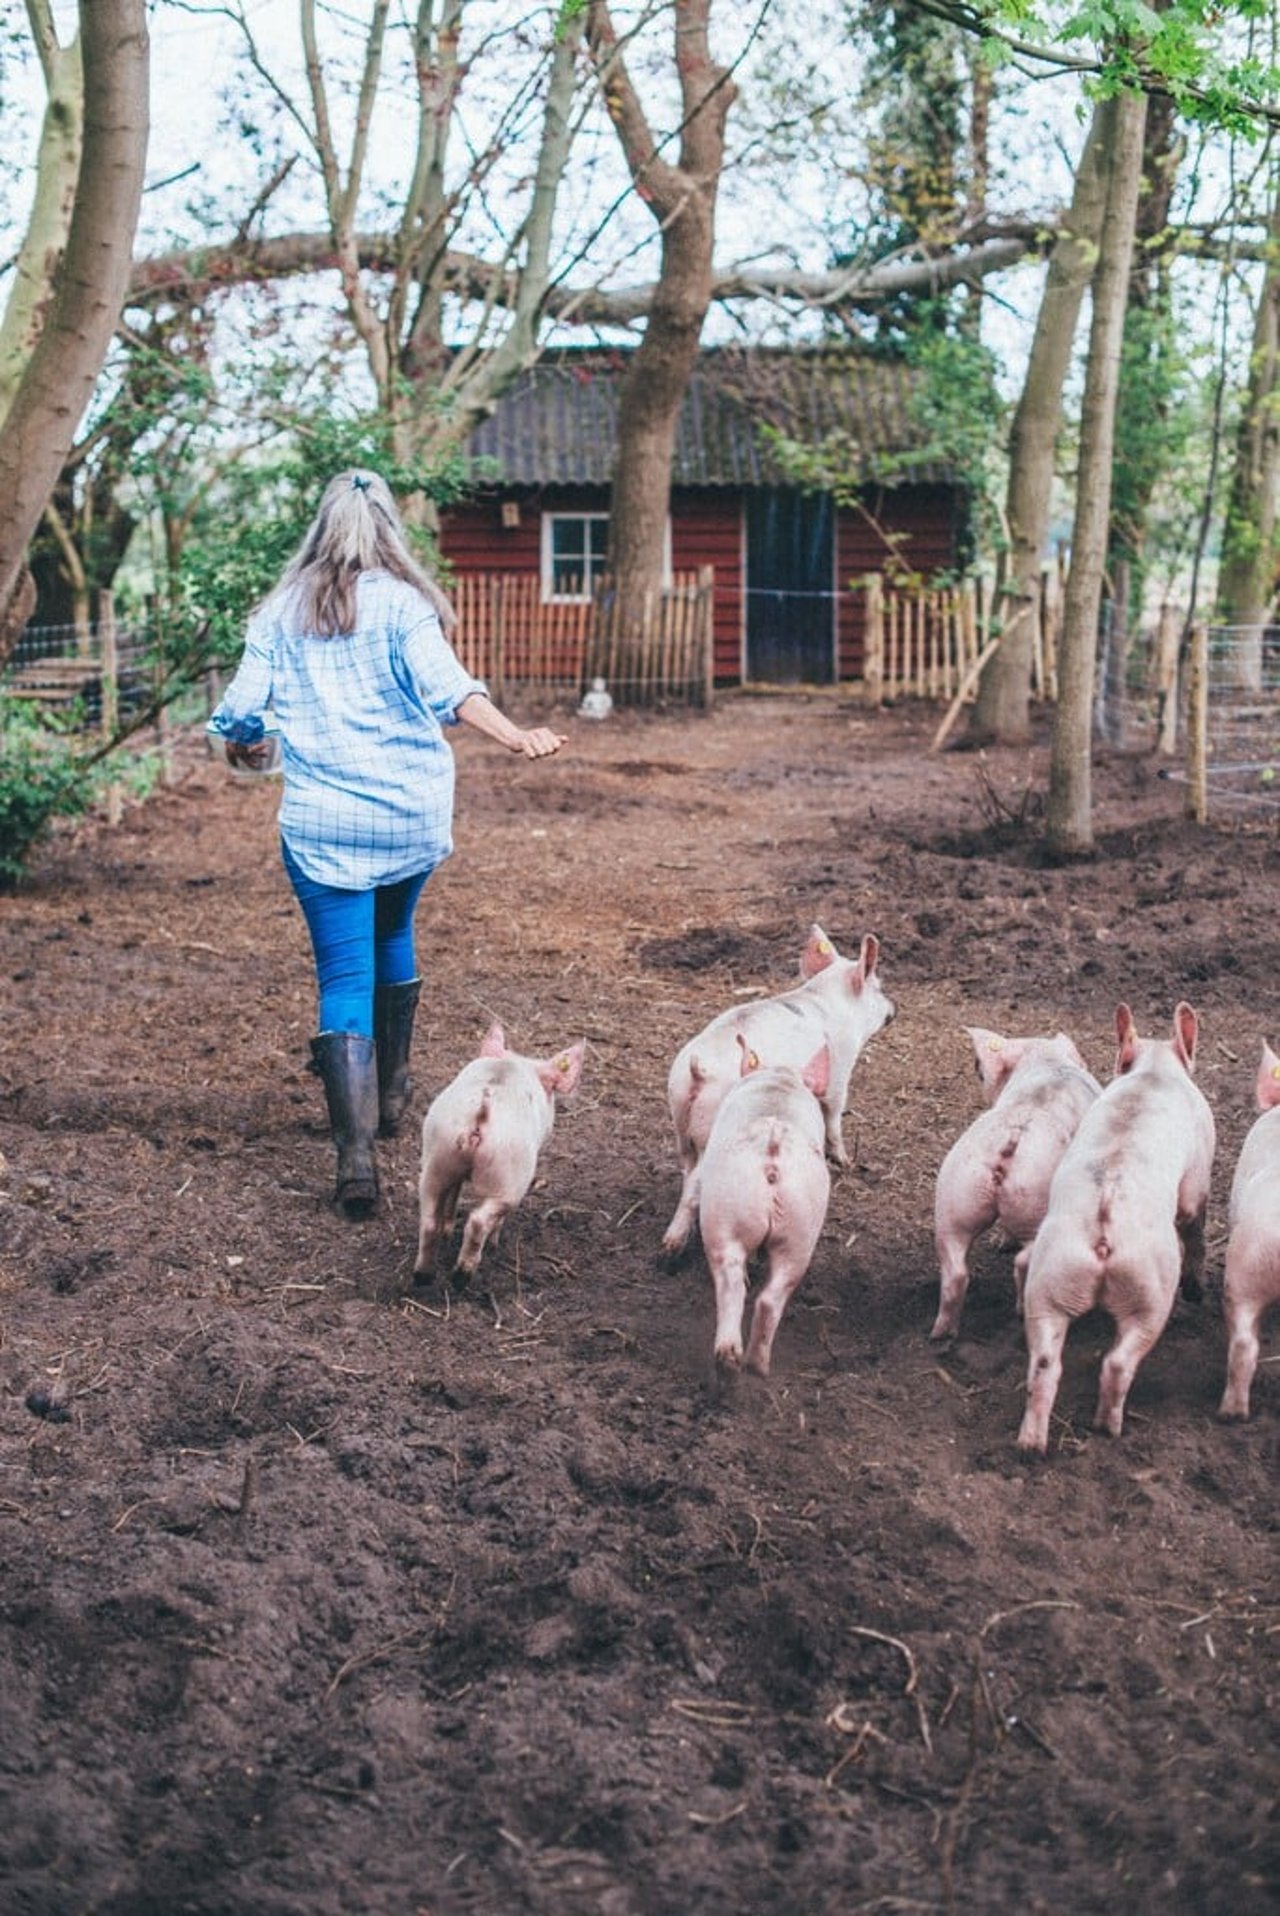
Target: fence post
point(706, 625)
point(1167, 681)
point(873, 641)
point(1198, 726)
point(498, 640)
point(1055, 583)
point(108, 666)
point(109, 682)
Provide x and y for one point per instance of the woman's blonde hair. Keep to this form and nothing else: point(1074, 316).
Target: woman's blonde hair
point(357, 529)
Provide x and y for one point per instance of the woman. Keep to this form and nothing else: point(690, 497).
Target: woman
point(350, 652)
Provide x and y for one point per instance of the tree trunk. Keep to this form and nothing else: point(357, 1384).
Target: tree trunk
point(1070, 810)
point(433, 390)
point(59, 378)
point(978, 176)
point(57, 167)
point(1247, 580)
point(1002, 708)
point(682, 198)
point(1147, 381)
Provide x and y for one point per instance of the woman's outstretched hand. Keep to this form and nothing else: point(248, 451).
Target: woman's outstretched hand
point(533, 741)
point(539, 741)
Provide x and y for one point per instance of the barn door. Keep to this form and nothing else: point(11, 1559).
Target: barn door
point(790, 602)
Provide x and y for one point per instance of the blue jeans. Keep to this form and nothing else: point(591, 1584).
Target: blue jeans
point(360, 939)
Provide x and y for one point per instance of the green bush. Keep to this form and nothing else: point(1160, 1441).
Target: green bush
point(42, 778)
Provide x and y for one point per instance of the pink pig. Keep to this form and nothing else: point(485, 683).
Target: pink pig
point(841, 1004)
point(488, 1126)
point(1252, 1279)
point(999, 1170)
point(764, 1184)
point(1133, 1182)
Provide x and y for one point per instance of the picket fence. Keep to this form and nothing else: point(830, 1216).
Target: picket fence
point(508, 634)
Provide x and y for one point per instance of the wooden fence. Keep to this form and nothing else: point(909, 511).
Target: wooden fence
point(508, 634)
point(932, 643)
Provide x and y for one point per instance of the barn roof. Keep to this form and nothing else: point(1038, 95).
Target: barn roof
point(557, 425)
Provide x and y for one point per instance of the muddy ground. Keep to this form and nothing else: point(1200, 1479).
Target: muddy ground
point(322, 1596)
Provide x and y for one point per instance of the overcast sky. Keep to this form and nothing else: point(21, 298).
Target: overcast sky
point(193, 156)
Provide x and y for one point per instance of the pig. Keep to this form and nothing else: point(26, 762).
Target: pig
point(1252, 1278)
point(1000, 1168)
point(764, 1185)
point(840, 1004)
point(1133, 1182)
point(487, 1126)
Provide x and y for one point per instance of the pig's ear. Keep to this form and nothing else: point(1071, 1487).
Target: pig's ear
point(869, 957)
point(495, 1042)
point(750, 1060)
point(1186, 1029)
point(1126, 1040)
point(559, 1075)
point(991, 1055)
point(817, 954)
point(817, 1073)
point(1268, 1079)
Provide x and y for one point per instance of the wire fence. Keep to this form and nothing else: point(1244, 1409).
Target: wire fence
point(91, 676)
point(1236, 770)
point(1207, 700)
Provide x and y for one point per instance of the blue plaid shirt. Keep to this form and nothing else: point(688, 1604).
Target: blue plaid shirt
point(368, 776)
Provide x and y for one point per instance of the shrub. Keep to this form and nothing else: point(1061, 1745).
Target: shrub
point(42, 778)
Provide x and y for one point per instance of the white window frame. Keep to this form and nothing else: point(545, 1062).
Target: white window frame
point(549, 597)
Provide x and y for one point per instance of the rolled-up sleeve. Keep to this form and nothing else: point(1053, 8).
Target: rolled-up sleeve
point(434, 670)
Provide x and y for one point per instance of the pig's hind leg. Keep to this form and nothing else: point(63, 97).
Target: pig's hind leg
point(437, 1208)
point(676, 1237)
point(1243, 1312)
point(785, 1273)
point(961, 1214)
point(1191, 1234)
point(729, 1278)
point(1135, 1336)
point(484, 1219)
point(1046, 1334)
point(833, 1109)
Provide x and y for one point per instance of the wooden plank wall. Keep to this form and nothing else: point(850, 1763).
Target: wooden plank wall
point(912, 526)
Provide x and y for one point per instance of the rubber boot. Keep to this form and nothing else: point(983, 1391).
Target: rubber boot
point(394, 1009)
point(348, 1066)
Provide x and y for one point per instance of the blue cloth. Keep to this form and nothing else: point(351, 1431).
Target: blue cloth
point(360, 938)
point(368, 774)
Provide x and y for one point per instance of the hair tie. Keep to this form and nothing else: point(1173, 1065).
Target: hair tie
point(359, 483)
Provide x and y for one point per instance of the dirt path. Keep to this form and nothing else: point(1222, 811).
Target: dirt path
point(319, 1597)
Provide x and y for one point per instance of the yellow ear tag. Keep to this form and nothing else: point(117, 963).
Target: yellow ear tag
point(1275, 1072)
point(826, 947)
point(753, 1061)
point(562, 1064)
point(995, 1044)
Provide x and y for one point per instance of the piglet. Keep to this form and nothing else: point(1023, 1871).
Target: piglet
point(488, 1126)
point(1000, 1168)
point(1133, 1182)
point(1252, 1279)
point(764, 1185)
point(840, 1004)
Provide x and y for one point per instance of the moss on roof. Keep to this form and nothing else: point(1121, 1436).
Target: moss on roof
point(557, 425)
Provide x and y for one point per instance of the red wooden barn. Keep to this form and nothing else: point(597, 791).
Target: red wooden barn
point(788, 561)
